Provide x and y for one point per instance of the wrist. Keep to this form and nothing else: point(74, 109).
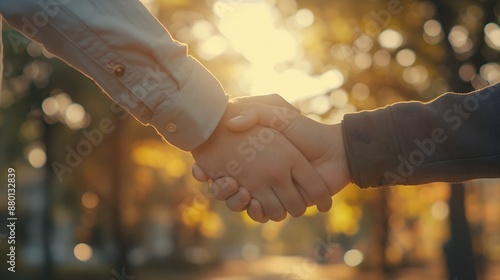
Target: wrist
point(345, 148)
point(231, 111)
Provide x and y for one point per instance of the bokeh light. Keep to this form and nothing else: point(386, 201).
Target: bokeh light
point(440, 210)
point(360, 91)
point(432, 28)
point(75, 114)
point(83, 252)
point(382, 58)
point(459, 39)
point(406, 57)
point(390, 39)
point(37, 157)
point(90, 200)
point(50, 106)
point(492, 32)
point(363, 61)
point(304, 17)
point(353, 257)
point(416, 75)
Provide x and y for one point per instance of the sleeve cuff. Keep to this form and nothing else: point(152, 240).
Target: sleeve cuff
point(372, 147)
point(189, 119)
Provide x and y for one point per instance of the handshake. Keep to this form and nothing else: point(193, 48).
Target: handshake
point(266, 158)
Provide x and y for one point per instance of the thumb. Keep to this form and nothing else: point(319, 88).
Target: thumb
point(270, 99)
point(266, 115)
point(246, 120)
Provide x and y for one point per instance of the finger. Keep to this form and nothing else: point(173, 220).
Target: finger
point(304, 195)
point(239, 201)
point(291, 199)
point(198, 173)
point(278, 118)
point(273, 209)
point(256, 212)
point(223, 188)
point(310, 181)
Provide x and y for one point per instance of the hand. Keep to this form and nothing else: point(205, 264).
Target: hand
point(270, 168)
point(321, 144)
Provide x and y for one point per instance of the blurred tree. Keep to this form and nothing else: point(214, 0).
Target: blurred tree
point(473, 16)
point(149, 210)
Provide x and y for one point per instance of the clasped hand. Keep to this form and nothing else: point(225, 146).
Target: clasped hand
point(266, 158)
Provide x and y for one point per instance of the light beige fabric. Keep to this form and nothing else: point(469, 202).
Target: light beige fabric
point(124, 48)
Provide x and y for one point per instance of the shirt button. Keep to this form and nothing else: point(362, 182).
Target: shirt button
point(119, 70)
point(170, 127)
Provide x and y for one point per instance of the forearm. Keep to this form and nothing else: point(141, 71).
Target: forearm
point(453, 138)
point(121, 46)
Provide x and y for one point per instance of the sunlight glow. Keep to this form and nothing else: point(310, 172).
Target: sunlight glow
point(259, 41)
point(213, 47)
point(152, 6)
point(339, 98)
point(202, 30)
point(320, 105)
point(270, 50)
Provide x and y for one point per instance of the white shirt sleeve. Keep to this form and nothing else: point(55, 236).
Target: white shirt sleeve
point(132, 57)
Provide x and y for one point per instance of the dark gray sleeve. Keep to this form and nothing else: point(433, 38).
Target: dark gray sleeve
point(453, 138)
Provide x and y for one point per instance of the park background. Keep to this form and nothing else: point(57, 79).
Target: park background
point(128, 207)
